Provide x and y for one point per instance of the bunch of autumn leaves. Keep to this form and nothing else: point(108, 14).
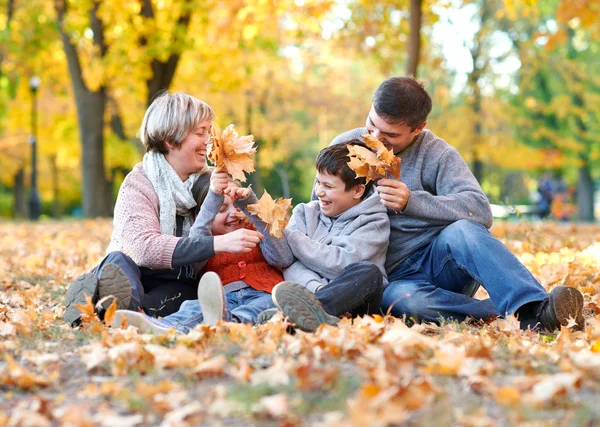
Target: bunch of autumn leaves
point(233, 153)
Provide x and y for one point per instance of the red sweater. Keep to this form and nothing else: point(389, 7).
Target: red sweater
point(251, 268)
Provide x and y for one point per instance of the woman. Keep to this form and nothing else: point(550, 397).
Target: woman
point(155, 252)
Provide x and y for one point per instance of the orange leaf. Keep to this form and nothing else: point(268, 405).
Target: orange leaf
point(110, 313)
point(273, 213)
point(88, 313)
point(373, 165)
point(231, 152)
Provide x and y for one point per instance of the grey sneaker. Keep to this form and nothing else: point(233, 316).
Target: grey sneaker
point(301, 306)
point(145, 323)
point(84, 284)
point(112, 282)
point(212, 299)
point(564, 303)
point(266, 315)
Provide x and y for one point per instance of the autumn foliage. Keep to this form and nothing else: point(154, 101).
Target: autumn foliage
point(369, 371)
point(275, 213)
point(231, 152)
point(373, 165)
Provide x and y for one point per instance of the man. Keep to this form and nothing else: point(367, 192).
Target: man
point(440, 248)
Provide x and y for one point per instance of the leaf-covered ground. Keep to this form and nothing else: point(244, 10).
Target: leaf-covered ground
point(370, 372)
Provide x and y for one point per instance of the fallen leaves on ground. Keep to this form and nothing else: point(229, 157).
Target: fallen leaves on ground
point(275, 213)
point(370, 371)
point(231, 152)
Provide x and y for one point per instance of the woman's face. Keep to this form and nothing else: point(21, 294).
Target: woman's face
point(227, 220)
point(190, 157)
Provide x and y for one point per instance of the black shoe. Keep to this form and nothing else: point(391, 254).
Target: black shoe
point(564, 303)
point(112, 282)
point(301, 306)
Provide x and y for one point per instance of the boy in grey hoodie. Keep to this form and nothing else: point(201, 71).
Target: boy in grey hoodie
point(339, 243)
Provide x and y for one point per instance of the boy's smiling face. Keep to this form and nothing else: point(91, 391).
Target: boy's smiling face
point(333, 196)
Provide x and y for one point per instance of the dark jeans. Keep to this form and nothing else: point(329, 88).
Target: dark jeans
point(158, 292)
point(358, 291)
point(436, 281)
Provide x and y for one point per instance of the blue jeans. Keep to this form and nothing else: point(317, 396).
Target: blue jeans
point(244, 306)
point(432, 282)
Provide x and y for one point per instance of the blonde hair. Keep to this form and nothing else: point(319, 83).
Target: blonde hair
point(171, 118)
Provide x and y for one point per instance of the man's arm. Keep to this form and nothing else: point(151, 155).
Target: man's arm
point(457, 194)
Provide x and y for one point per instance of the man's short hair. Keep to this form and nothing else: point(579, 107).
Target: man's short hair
point(334, 161)
point(171, 118)
point(402, 100)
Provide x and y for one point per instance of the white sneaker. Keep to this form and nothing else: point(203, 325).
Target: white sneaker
point(211, 298)
point(145, 323)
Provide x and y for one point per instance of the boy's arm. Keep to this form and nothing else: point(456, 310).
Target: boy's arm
point(276, 251)
point(192, 249)
point(365, 240)
point(301, 274)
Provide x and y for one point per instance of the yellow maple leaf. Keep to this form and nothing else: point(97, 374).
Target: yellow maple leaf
point(110, 313)
point(273, 213)
point(373, 165)
point(231, 152)
point(88, 312)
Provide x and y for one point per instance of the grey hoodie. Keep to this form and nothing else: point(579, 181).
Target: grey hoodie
point(323, 246)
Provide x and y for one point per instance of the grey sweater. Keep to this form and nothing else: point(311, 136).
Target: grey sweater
point(323, 246)
point(442, 190)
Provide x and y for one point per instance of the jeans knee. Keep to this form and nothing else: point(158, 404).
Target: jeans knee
point(461, 232)
point(117, 257)
point(369, 270)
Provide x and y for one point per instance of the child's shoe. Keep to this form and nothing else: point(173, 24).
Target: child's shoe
point(301, 306)
point(145, 323)
point(211, 298)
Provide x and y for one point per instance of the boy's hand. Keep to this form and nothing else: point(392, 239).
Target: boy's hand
point(394, 194)
point(218, 181)
point(237, 242)
point(237, 192)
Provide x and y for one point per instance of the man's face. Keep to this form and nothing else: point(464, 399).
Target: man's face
point(395, 137)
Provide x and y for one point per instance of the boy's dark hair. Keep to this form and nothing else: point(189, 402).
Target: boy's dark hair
point(200, 191)
point(334, 161)
point(402, 100)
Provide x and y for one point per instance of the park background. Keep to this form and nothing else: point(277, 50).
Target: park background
point(515, 84)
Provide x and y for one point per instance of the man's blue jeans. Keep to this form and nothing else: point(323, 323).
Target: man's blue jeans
point(432, 282)
point(243, 305)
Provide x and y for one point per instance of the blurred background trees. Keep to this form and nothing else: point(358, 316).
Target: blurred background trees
point(515, 83)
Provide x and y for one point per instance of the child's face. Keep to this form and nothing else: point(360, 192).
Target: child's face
point(226, 220)
point(333, 196)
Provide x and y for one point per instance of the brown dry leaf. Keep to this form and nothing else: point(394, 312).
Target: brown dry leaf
point(231, 152)
point(214, 367)
point(88, 312)
point(274, 213)
point(373, 165)
point(21, 377)
point(109, 316)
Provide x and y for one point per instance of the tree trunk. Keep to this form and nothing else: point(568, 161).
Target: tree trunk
point(285, 182)
point(414, 40)
point(20, 207)
point(585, 192)
point(91, 106)
point(55, 200)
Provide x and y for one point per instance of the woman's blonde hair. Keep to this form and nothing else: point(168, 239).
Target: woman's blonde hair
point(171, 118)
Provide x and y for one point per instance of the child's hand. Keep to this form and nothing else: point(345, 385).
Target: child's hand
point(218, 181)
point(237, 192)
point(238, 241)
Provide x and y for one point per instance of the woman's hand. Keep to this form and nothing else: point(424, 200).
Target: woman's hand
point(238, 241)
point(237, 192)
point(218, 181)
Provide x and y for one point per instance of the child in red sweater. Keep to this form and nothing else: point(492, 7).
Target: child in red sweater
point(247, 278)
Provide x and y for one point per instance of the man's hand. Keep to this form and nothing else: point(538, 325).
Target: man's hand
point(218, 181)
point(237, 192)
point(237, 242)
point(394, 194)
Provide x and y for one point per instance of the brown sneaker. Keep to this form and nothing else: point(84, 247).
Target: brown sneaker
point(564, 303)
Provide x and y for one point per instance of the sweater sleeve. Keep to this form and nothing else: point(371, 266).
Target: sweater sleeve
point(455, 194)
point(301, 274)
point(136, 227)
point(199, 246)
point(276, 251)
point(365, 240)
